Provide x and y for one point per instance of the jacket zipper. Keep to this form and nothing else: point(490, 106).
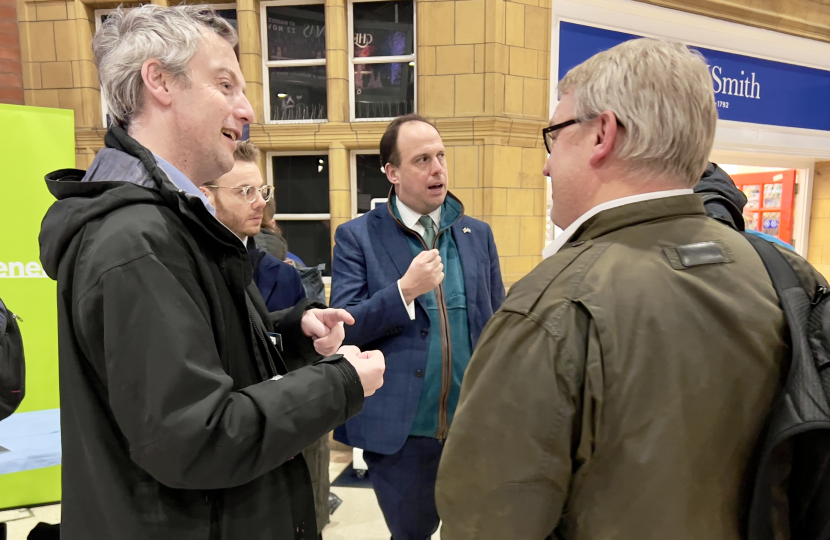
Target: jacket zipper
point(446, 350)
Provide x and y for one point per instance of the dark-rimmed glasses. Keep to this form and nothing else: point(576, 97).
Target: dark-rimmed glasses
point(249, 193)
point(550, 139)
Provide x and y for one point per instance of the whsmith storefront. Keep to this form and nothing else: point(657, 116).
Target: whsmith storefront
point(771, 91)
point(326, 77)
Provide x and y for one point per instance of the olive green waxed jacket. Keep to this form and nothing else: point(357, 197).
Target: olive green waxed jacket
point(618, 393)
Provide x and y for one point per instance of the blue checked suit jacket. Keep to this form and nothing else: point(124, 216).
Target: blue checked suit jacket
point(370, 256)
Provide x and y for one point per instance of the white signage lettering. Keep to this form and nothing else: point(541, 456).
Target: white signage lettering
point(17, 269)
point(745, 86)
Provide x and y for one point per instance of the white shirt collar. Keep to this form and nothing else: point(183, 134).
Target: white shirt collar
point(410, 217)
point(566, 235)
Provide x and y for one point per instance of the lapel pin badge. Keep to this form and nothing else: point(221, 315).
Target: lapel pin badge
point(466, 230)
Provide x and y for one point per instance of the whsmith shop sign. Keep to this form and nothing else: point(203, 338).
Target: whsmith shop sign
point(747, 89)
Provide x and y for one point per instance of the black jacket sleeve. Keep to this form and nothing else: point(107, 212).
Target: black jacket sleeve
point(172, 400)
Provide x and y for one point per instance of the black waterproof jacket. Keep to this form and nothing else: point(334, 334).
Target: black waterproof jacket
point(171, 426)
point(723, 200)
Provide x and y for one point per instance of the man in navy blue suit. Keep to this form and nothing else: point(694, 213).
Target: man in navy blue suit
point(421, 280)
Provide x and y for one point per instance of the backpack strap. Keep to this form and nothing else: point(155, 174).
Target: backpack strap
point(780, 272)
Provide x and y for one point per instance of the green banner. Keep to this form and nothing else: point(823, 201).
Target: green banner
point(33, 142)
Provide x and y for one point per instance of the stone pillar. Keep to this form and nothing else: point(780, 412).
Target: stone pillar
point(58, 69)
point(340, 195)
point(818, 250)
point(483, 68)
point(250, 53)
point(337, 60)
point(11, 67)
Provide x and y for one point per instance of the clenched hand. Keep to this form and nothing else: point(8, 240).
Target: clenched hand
point(370, 366)
point(425, 273)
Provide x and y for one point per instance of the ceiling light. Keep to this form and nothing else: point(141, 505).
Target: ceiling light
point(282, 96)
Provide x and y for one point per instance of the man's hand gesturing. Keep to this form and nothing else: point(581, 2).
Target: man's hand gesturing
point(425, 273)
point(325, 327)
point(369, 365)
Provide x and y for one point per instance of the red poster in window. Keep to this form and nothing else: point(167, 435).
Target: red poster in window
point(769, 207)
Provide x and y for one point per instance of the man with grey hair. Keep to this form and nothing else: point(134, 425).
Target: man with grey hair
point(620, 390)
point(184, 403)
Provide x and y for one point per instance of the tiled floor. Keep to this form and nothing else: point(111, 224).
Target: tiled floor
point(358, 518)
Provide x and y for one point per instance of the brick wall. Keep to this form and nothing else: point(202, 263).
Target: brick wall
point(818, 251)
point(11, 70)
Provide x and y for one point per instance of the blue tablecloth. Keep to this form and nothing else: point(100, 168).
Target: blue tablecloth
point(33, 440)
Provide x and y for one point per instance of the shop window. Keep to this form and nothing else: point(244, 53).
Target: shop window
point(370, 187)
point(383, 59)
point(294, 51)
point(770, 196)
point(301, 191)
point(226, 11)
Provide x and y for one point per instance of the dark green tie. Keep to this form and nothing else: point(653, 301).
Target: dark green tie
point(429, 231)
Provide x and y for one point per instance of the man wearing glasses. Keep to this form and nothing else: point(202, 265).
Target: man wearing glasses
point(621, 389)
point(239, 198)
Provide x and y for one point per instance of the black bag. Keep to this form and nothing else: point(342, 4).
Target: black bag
point(12, 366)
point(792, 479)
point(315, 289)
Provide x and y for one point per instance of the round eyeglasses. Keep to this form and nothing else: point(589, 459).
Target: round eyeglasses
point(249, 193)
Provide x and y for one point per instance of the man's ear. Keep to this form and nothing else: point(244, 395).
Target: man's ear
point(607, 134)
point(207, 193)
point(392, 173)
point(157, 82)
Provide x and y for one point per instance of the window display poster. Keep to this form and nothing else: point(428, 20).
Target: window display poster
point(296, 32)
point(42, 141)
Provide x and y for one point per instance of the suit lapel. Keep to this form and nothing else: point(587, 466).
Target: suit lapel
point(391, 236)
point(466, 244)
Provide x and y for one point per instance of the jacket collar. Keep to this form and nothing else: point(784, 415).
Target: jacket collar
point(638, 213)
point(451, 211)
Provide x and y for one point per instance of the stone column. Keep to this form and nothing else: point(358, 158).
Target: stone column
point(58, 69)
point(483, 68)
point(337, 61)
point(818, 250)
point(250, 54)
point(340, 194)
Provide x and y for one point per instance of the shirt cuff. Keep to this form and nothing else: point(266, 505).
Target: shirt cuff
point(410, 307)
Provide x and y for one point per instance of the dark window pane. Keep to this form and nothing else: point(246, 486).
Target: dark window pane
point(371, 181)
point(296, 32)
point(230, 16)
point(298, 93)
point(382, 28)
point(301, 184)
point(310, 241)
point(384, 90)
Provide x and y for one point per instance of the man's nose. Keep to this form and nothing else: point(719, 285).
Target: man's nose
point(259, 202)
point(437, 167)
point(243, 110)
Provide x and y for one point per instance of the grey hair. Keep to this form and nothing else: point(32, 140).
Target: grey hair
point(661, 92)
point(130, 37)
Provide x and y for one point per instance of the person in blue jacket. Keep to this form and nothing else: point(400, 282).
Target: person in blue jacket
point(421, 280)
